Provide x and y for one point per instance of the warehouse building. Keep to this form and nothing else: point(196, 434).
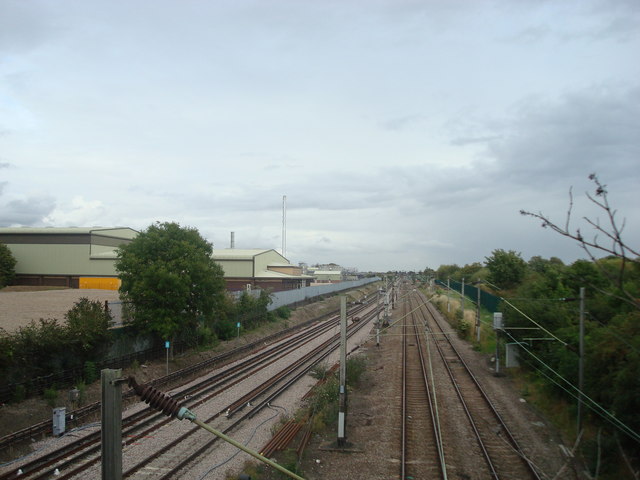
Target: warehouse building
point(66, 257)
point(328, 276)
point(85, 258)
point(266, 269)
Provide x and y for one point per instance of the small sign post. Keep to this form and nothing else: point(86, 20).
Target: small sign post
point(238, 327)
point(167, 345)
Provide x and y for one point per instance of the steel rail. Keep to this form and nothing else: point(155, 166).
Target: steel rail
point(433, 408)
point(419, 381)
point(488, 402)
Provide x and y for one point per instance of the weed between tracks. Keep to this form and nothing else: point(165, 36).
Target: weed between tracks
point(322, 410)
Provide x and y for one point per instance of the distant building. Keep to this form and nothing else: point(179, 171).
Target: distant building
point(66, 257)
point(328, 276)
point(265, 269)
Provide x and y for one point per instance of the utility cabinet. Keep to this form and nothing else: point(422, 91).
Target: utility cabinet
point(59, 421)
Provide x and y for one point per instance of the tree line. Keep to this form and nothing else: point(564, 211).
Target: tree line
point(546, 291)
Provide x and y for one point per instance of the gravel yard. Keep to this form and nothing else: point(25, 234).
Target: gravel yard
point(19, 306)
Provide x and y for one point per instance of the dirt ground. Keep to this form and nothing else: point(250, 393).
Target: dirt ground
point(20, 305)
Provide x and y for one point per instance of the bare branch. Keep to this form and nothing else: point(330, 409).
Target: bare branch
point(612, 231)
point(566, 225)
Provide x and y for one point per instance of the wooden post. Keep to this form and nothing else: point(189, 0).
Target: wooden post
point(111, 424)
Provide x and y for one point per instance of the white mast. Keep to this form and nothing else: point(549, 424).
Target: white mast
point(284, 226)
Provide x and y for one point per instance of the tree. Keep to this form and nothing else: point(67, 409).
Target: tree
point(447, 271)
point(612, 232)
point(506, 269)
point(88, 325)
point(7, 266)
point(168, 275)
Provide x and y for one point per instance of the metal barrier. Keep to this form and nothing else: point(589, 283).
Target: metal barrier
point(290, 297)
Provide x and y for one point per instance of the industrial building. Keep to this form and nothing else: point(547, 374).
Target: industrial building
point(265, 269)
point(328, 276)
point(66, 257)
point(85, 258)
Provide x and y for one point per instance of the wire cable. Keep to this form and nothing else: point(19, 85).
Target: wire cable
point(255, 430)
point(578, 394)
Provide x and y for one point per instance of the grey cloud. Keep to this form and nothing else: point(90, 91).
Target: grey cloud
point(23, 26)
point(29, 212)
point(461, 141)
point(593, 130)
point(401, 123)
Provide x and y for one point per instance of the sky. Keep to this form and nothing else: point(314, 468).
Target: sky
point(405, 134)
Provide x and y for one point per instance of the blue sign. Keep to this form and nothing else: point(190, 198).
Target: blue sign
point(166, 344)
point(238, 325)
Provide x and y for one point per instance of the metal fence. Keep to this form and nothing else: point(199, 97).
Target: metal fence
point(66, 378)
point(291, 297)
point(487, 300)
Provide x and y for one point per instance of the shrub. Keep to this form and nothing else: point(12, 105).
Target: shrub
point(283, 312)
point(91, 373)
point(19, 394)
point(82, 393)
point(88, 324)
point(356, 366)
point(463, 329)
point(7, 266)
point(51, 396)
point(319, 371)
point(206, 336)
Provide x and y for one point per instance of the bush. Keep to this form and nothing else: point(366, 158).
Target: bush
point(319, 371)
point(82, 393)
point(283, 312)
point(356, 366)
point(51, 396)
point(7, 266)
point(463, 329)
point(19, 394)
point(206, 336)
point(323, 405)
point(88, 328)
point(91, 373)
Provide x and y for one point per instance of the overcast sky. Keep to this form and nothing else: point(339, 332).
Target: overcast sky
point(404, 133)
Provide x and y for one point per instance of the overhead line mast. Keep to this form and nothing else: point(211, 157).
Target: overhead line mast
point(284, 226)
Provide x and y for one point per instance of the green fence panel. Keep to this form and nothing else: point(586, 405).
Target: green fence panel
point(487, 300)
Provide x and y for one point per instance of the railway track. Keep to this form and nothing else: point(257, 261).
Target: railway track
point(422, 449)
point(77, 460)
point(164, 466)
point(502, 456)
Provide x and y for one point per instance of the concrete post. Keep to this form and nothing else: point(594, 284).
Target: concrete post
point(111, 424)
point(342, 413)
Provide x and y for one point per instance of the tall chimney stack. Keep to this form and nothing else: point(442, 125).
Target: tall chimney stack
point(233, 239)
